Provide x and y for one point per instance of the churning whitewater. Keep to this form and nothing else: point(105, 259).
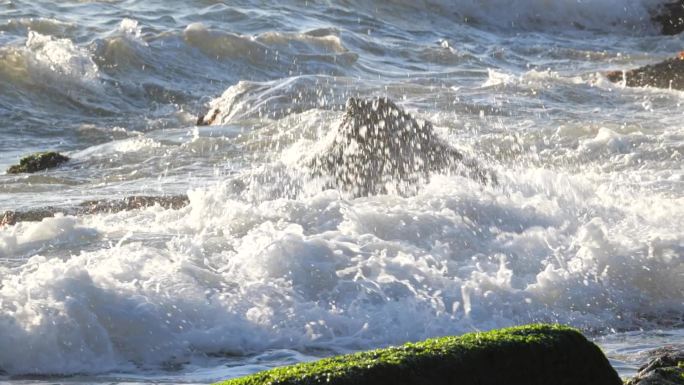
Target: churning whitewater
point(269, 262)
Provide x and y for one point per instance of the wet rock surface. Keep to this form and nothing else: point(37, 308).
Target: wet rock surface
point(666, 74)
point(666, 367)
point(671, 18)
point(38, 162)
point(208, 118)
point(174, 202)
point(379, 148)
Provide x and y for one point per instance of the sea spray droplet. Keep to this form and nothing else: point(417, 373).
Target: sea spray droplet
point(131, 27)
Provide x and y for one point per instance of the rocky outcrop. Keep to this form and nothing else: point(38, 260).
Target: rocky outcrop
point(666, 74)
point(379, 148)
point(666, 367)
point(525, 355)
point(38, 162)
point(96, 206)
point(670, 17)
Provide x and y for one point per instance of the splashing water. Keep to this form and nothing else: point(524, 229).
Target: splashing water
point(292, 244)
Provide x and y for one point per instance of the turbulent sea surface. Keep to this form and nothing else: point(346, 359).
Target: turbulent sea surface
point(265, 267)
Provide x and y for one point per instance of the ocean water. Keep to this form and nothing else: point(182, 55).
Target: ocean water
point(265, 267)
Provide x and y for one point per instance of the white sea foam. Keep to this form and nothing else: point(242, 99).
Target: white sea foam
point(131, 28)
point(59, 61)
point(237, 277)
point(49, 233)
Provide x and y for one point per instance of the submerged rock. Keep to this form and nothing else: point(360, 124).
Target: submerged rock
point(666, 74)
point(665, 368)
point(12, 217)
point(38, 162)
point(173, 202)
point(379, 148)
point(670, 17)
point(525, 355)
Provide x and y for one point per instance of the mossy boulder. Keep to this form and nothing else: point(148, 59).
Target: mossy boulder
point(525, 355)
point(666, 74)
point(38, 162)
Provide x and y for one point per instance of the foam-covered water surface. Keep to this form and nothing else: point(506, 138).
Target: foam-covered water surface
point(268, 264)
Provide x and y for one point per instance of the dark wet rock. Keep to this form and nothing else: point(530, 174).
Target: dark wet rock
point(10, 218)
point(38, 162)
point(208, 118)
point(523, 355)
point(666, 74)
point(666, 367)
point(379, 148)
point(670, 17)
point(173, 202)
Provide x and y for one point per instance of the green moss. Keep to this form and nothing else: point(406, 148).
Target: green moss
point(674, 374)
point(532, 354)
point(37, 162)
point(678, 372)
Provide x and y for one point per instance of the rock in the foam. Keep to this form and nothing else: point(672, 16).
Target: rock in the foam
point(666, 74)
point(208, 118)
point(38, 162)
point(666, 367)
point(525, 355)
point(172, 202)
point(379, 148)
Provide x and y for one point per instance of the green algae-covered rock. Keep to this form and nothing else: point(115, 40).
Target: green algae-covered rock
point(525, 355)
point(38, 162)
